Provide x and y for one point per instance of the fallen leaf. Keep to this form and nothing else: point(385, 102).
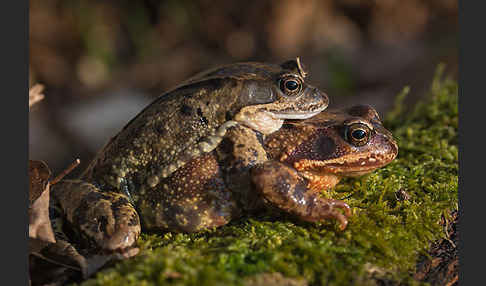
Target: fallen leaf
point(64, 256)
point(39, 175)
point(39, 222)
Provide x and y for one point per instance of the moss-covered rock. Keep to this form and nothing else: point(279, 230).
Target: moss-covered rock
point(396, 214)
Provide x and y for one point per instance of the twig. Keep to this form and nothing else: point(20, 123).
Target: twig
point(65, 172)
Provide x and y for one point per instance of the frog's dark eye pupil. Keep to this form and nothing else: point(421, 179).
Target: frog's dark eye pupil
point(291, 85)
point(358, 134)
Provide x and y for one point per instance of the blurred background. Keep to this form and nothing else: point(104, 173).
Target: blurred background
point(103, 61)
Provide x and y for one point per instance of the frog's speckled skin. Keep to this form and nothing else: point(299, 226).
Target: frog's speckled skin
point(192, 119)
point(285, 170)
point(180, 127)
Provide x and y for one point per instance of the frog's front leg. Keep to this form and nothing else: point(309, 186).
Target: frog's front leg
point(284, 187)
point(106, 219)
point(206, 145)
point(239, 152)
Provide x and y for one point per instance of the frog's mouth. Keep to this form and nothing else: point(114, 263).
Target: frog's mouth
point(298, 115)
point(345, 171)
point(348, 166)
point(359, 167)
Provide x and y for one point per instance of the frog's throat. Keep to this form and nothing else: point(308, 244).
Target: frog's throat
point(320, 181)
point(298, 115)
point(267, 121)
point(259, 120)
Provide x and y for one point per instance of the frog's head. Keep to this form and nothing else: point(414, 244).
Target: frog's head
point(335, 144)
point(272, 93)
point(266, 94)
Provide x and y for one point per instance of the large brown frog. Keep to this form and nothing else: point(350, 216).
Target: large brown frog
point(284, 171)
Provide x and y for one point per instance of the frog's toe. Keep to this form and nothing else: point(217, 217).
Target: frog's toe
point(123, 238)
point(124, 229)
point(337, 215)
point(112, 222)
point(342, 205)
point(343, 221)
point(333, 209)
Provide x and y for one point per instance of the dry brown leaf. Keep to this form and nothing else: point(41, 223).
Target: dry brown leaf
point(35, 94)
point(65, 255)
point(39, 175)
point(39, 222)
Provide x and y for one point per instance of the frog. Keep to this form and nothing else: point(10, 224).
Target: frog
point(319, 152)
point(248, 172)
point(186, 122)
point(192, 118)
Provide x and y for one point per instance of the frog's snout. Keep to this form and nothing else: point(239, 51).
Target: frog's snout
point(313, 100)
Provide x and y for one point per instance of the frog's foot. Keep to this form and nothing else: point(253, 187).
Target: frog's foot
point(108, 219)
point(283, 187)
point(209, 143)
point(322, 209)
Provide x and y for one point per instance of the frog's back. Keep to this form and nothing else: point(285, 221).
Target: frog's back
point(163, 133)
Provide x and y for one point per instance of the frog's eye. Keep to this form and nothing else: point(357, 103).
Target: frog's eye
point(291, 85)
point(357, 134)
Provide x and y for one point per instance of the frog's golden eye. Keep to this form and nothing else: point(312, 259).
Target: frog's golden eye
point(291, 85)
point(357, 134)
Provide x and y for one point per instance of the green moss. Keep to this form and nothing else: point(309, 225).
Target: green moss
point(383, 238)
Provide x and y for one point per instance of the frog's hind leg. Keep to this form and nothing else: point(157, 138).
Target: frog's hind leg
point(283, 187)
point(66, 255)
point(192, 199)
point(106, 219)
